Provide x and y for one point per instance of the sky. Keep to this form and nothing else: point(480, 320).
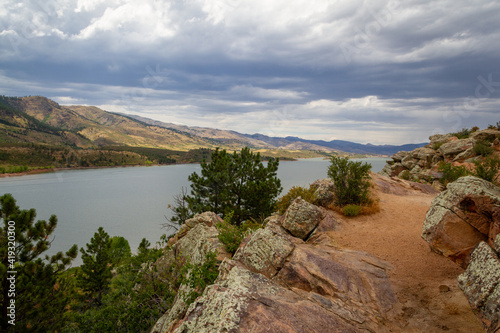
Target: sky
point(380, 72)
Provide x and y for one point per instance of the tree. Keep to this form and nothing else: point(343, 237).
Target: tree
point(238, 183)
point(351, 181)
point(36, 286)
point(95, 273)
point(120, 250)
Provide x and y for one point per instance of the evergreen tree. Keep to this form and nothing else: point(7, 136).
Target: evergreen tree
point(238, 183)
point(36, 287)
point(351, 181)
point(95, 273)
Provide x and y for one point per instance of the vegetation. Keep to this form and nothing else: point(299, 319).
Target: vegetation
point(488, 169)
point(198, 277)
point(40, 293)
point(351, 210)
point(463, 134)
point(296, 191)
point(451, 172)
point(95, 273)
point(483, 148)
point(231, 235)
point(351, 179)
point(238, 183)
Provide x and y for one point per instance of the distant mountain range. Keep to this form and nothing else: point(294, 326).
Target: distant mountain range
point(39, 120)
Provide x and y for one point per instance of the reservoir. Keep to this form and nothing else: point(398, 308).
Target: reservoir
point(129, 202)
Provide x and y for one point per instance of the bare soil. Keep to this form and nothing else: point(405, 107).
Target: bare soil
point(424, 282)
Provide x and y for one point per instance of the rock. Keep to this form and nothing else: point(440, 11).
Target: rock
point(465, 155)
point(486, 135)
point(301, 218)
point(191, 243)
point(346, 291)
point(456, 147)
point(208, 218)
point(437, 139)
point(409, 162)
point(424, 155)
point(323, 192)
point(460, 217)
point(481, 285)
point(264, 252)
point(497, 244)
point(398, 157)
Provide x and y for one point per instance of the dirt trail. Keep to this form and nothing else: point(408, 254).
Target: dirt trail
point(425, 282)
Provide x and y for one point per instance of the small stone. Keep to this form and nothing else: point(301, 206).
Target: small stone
point(444, 288)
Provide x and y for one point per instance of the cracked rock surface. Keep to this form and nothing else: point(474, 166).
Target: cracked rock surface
point(462, 216)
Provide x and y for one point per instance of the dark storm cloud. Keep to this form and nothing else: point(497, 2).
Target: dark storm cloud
point(378, 71)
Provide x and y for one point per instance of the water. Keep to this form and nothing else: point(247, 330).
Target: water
point(129, 202)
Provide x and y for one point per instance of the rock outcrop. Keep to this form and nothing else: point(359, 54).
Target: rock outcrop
point(421, 164)
point(460, 217)
point(286, 277)
point(481, 284)
point(463, 224)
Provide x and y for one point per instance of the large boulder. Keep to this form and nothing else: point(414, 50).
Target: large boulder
point(460, 217)
point(301, 218)
point(486, 135)
point(345, 291)
point(323, 192)
point(264, 251)
point(481, 285)
point(453, 148)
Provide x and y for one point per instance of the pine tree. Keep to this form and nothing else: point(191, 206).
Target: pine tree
point(238, 183)
point(39, 292)
point(95, 273)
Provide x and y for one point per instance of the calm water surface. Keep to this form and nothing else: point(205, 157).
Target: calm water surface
point(129, 202)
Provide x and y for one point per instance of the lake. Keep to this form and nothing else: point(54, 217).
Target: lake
point(129, 202)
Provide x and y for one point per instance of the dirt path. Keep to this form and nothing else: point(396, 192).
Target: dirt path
point(425, 282)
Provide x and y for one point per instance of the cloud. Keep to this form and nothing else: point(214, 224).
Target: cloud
point(378, 71)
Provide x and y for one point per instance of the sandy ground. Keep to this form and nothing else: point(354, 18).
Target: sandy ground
point(424, 282)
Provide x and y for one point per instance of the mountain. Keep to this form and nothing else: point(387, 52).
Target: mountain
point(290, 143)
point(338, 145)
point(39, 120)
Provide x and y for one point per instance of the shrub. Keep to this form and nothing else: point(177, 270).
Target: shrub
point(463, 134)
point(198, 277)
point(405, 174)
point(296, 191)
point(351, 210)
point(437, 145)
point(351, 181)
point(488, 168)
point(231, 235)
point(451, 172)
point(483, 148)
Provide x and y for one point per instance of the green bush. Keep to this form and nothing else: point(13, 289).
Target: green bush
point(231, 235)
point(451, 173)
point(351, 210)
point(483, 148)
point(296, 191)
point(463, 134)
point(198, 277)
point(437, 145)
point(351, 181)
point(405, 174)
point(488, 168)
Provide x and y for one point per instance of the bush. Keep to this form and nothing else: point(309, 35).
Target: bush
point(351, 181)
point(405, 174)
point(198, 277)
point(231, 235)
point(488, 168)
point(351, 210)
point(463, 134)
point(483, 148)
point(296, 191)
point(451, 172)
